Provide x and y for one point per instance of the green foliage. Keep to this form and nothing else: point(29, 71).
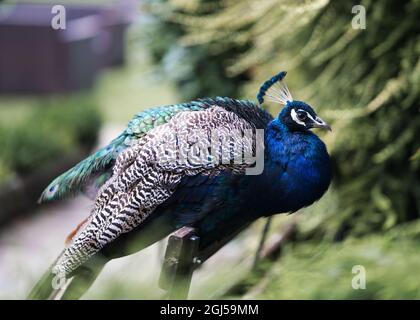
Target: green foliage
point(29, 146)
point(77, 115)
point(324, 270)
point(365, 81)
point(198, 70)
point(51, 129)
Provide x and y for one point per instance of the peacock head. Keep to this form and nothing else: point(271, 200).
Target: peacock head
point(296, 115)
point(299, 116)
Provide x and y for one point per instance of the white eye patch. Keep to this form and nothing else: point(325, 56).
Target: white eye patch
point(317, 120)
point(295, 118)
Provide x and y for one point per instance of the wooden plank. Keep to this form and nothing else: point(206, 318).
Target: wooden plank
point(178, 264)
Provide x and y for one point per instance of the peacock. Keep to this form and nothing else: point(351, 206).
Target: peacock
point(142, 191)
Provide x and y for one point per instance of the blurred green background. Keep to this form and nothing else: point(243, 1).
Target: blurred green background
point(366, 82)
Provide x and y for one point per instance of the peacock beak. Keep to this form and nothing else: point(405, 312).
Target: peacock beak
point(319, 123)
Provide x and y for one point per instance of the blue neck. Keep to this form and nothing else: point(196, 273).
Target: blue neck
point(297, 169)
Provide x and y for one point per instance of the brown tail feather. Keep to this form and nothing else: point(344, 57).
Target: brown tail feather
point(73, 233)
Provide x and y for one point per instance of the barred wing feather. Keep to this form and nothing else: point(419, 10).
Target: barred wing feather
point(145, 175)
point(89, 174)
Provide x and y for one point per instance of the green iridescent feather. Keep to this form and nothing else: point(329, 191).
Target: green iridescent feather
point(95, 169)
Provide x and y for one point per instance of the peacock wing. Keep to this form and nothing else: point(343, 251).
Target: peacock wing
point(148, 172)
point(91, 173)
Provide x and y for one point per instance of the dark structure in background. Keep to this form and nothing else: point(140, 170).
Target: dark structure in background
point(37, 59)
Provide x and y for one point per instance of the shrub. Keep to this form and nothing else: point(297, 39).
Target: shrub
point(52, 128)
point(366, 81)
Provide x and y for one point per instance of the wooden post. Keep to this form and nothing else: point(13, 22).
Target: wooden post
point(178, 264)
point(262, 242)
point(182, 257)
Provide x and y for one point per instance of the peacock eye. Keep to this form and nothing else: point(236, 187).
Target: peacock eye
point(301, 115)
